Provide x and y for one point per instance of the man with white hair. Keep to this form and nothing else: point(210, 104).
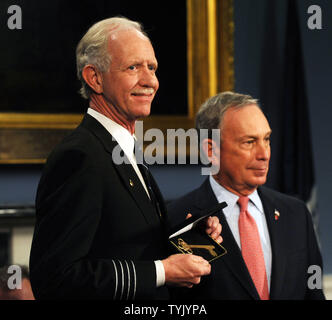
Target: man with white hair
point(100, 227)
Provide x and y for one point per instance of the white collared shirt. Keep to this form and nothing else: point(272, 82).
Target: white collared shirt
point(127, 143)
point(232, 213)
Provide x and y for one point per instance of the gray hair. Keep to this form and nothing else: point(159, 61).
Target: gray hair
point(211, 113)
point(92, 48)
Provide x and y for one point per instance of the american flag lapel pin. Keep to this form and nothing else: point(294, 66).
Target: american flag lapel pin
point(276, 214)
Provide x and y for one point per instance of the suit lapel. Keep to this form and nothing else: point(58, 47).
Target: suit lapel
point(125, 170)
point(276, 225)
point(159, 198)
point(138, 193)
point(233, 259)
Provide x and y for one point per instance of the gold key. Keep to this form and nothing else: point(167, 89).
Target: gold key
point(207, 247)
point(187, 247)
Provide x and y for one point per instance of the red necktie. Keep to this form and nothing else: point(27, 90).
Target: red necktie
point(252, 249)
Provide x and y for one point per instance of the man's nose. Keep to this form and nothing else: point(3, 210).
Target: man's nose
point(263, 151)
point(148, 78)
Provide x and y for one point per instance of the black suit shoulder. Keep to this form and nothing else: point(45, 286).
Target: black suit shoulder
point(283, 198)
point(74, 157)
point(295, 209)
point(79, 145)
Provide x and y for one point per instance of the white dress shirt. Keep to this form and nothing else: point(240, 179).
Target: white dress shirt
point(127, 142)
point(255, 208)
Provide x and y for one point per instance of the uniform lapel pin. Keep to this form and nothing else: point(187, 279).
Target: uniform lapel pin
point(276, 214)
point(131, 182)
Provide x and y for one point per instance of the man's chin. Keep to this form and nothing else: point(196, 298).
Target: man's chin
point(143, 116)
point(259, 181)
point(143, 113)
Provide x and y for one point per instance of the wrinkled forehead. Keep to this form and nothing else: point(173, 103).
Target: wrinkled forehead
point(131, 46)
point(128, 38)
point(246, 120)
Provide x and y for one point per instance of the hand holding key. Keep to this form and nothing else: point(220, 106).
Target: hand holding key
point(185, 270)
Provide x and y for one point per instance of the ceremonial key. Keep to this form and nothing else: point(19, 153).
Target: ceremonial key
point(187, 247)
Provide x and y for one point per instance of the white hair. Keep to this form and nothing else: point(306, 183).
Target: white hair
point(92, 48)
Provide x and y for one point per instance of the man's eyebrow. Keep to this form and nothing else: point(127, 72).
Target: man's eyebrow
point(253, 136)
point(248, 136)
point(133, 61)
point(141, 61)
point(268, 133)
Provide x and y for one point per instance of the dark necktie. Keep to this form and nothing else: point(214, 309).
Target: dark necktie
point(147, 179)
point(138, 151)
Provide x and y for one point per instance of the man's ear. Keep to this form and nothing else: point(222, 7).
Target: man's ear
point(93, 78)
point(211, 151)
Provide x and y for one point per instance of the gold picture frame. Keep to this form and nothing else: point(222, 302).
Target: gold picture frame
point(29, 137)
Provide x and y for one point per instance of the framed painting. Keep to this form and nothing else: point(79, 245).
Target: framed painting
point(39, 105)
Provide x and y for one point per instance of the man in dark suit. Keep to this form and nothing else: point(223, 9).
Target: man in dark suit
point(100, 218)
point(269, 236)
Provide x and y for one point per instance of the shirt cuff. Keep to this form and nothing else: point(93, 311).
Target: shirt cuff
point(160, 272)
